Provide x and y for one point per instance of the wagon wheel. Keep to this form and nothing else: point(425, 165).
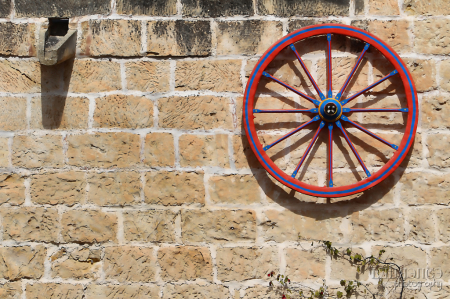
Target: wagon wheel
point(330, 110)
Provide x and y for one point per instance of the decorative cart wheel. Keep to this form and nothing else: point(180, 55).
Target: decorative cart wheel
point(331, 110)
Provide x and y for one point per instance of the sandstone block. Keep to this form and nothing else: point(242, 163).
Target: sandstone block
point(343, 269)
point(58, 112)
point(97, 39)
point(218, 225)
point(440, 263)
point(243, 154)
point(4, 152)
point(114, 188)
point(305, 265)
point(420, 188)
point(30, 224)
point(432, 36)
point(190, 113)
point(384, 8)
point(76, 263)
point(423, 7)
point(188, 291)
point(89, 76)
point(423, 73)
point(54, 291)
point(214, 75)
point(152, 8)
point(204, 150)
point(205, 8)
point(287, 8)
point(386, 225)
point(12, 189)
point(246, 37)
point(20, 76)
point(129, 264)
point(11, 290)
point(421, 226)
point(444, 230)
point(380, 120)
point(444, 71)
point(261, 292)
point(37, 151)
point(121, 291)
point(89, 226)
point(149, 226)
point(178, 38)
point(238, 263)
point(104, 150)
point(234, 189)
point(438, 154)
point(185, 263)
point(22, 262)
point(67, 188)
point(148, 76)
point(272, 121)
point(394, 85)
point(61, 9)
point(5, 8)
point(123, 111)
point(159, 150)
point(18, 39)
point(174, 188)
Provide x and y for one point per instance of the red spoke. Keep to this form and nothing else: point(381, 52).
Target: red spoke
point(308, 149)
point(330, 155)
point(316, 87)
point(358, 62)
point(314, 110)
point(375, 110)
point(368, 88)
point(344, 118)
point(316, 118)
point(329, 67)
point(338, 123)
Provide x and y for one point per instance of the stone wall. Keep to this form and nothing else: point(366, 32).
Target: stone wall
point(125, 172)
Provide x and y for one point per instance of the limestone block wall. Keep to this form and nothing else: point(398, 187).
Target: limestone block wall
point(125, 173)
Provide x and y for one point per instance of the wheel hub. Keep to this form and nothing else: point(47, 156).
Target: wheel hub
point(330, 110)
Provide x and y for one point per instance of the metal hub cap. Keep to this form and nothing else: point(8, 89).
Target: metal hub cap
point(330, 110)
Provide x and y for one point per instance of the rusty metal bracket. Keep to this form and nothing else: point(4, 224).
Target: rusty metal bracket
point(54, 47)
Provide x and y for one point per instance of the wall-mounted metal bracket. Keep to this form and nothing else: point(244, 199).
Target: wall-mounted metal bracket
point(57, 43)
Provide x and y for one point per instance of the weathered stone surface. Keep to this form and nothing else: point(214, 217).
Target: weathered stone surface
point(5, 8)
point(444, 72)
point(243, 154)
point(246, 37)
point(97, 39)
point(218, 225)
point(204, 150)
point(4, 152)
point(432, 36)
point(61, 9)
point(270, 121)
point(440, 263)
point(214, 75)
point(386, 120)
point(129, 264)
point(443, 228)
point(305, 265)
point(159, 150)
point(149, 226)
point(12, 189)
point(261, 292)
point(11, 290)
point(104, 150)
point(286, 8)
point(189, 291)
point(54, 291)
point(67, 188)
point(195, 112)
point(76, 263)
point(341, 268)
point(37, 151)
point(185, 263)
point(386, 225)
point(174, 188)
point(94, 76)
point(287, 225)
point(123, 111)
point(384, 8)
point(59, 112)
point(178, 38)
point(238, 263)
point(205, 8)
point(121, 291)
point(424, 7)
point(438, 153)
point(114, 188)
point(423, 73)
point(19, 76)
point(22, 262)
point(148, 76)
point(17, 39)
point(359, 7)
point(421, 226)
point(30, 224)
point(234, 189)
point(89, 226)
point(425, 188)
point(151, 8)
